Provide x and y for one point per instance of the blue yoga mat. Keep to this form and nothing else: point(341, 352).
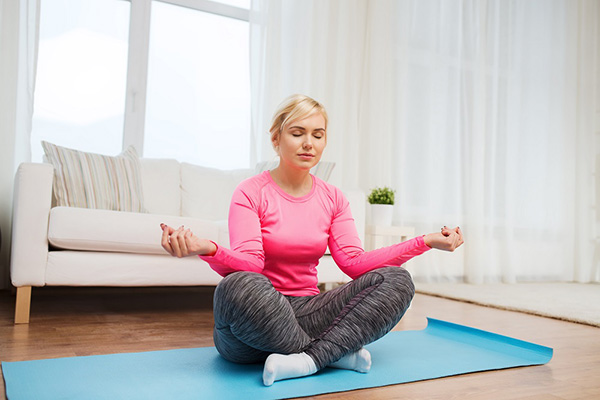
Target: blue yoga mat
point(442, 349)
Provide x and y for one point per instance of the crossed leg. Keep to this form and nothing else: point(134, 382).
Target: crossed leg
point(253, 321)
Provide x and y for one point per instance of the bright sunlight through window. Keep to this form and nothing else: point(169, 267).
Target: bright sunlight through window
point(81, 74)
point(198, 100)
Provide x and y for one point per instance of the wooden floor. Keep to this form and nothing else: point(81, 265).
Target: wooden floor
point(75, 322)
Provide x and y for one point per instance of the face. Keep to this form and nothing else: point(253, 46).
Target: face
point(301, 143)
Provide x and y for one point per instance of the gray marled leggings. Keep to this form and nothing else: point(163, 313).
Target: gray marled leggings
point(253, 320)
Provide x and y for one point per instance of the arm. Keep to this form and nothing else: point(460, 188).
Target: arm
point(348, 253)
point(31, 210)
point(246, 252)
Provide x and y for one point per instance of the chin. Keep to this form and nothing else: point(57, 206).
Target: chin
point(302, 165)
point(308, 165)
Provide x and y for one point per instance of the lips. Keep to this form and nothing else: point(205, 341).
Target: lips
point(306, 156)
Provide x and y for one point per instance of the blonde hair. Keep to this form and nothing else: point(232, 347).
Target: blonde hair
point(293, 108)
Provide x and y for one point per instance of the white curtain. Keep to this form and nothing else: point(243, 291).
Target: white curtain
point(295, 48)
point(19, 21)
point(481, 114)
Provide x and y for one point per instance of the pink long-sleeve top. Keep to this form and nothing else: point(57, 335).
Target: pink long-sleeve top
point(283, 237)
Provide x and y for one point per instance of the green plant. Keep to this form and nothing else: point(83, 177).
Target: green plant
point(381, 195)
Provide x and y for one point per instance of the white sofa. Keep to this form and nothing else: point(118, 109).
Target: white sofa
point(68, 246)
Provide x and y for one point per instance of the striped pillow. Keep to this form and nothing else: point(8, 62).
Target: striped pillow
point(91, 180)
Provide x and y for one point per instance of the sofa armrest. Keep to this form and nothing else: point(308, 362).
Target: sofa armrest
point(31, 210)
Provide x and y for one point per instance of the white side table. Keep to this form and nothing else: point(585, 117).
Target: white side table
point(381, 236)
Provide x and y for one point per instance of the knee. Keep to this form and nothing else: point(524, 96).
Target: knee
point(395, 291)
point(234, 287)
point(232, 294)
point(399, 281)
point(240, 277)
point(239, 282)
point(240, 289)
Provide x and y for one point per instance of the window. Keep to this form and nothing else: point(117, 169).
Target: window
point(81, 74)
point(170, 77)
point(198, 91)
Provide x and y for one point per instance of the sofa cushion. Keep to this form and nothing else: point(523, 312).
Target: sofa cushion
point(94, 180)
point(161, 185)
point(116, 231)
point(89, 268)
point(206, 192)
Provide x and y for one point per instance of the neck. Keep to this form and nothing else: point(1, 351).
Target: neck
point(295, 182)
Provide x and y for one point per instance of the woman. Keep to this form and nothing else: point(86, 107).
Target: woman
point(267, 307)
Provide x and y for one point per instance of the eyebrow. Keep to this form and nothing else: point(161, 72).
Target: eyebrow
point(303, 129)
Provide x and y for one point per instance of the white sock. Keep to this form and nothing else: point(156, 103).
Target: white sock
point(358, 361)
point(280, 366)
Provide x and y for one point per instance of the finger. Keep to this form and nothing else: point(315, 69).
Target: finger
point(189, 241)
point(175, 243)
point(167, 227)
point(453, 240)
point(446, 231)
point(460, 235)
point(165, 242)
point(181, 238)
point(456, 241)
point(459, 240)
point(457, 231)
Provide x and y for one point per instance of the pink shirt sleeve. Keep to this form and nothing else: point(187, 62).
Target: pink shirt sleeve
point(246, 253)
point(349, 255)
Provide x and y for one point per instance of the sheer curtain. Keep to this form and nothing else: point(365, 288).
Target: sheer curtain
point(19, 22)
point(297, 47)
point(479, 113)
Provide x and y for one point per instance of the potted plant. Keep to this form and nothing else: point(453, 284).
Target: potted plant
point(382, 205)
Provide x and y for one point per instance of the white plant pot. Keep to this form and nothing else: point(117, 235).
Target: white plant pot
point(382, 214)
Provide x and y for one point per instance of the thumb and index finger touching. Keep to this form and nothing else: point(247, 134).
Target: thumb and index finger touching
point(450, 231)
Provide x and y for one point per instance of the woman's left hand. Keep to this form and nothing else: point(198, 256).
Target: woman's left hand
point(447, 239)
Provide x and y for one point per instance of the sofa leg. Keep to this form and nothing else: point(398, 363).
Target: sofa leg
point(23, 305)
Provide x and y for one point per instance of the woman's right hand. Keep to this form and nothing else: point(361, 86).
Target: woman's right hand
point(182, 243)
point(448, 239)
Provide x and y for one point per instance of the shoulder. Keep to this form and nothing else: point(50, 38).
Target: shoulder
point(331, 193)
point(254, 183)
point(251, 188)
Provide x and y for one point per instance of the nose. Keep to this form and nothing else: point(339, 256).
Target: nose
point(307, 143)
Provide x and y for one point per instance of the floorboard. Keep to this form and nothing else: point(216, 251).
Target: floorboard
point(88, 321)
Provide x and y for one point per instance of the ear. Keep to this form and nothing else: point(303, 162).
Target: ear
point(275, 141)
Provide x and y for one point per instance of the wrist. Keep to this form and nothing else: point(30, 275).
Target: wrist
point(427, 241)
point(211, 249)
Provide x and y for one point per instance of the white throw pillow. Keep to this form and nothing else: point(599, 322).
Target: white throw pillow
point(96, 181)
point(206, 192)
point(161, 183)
